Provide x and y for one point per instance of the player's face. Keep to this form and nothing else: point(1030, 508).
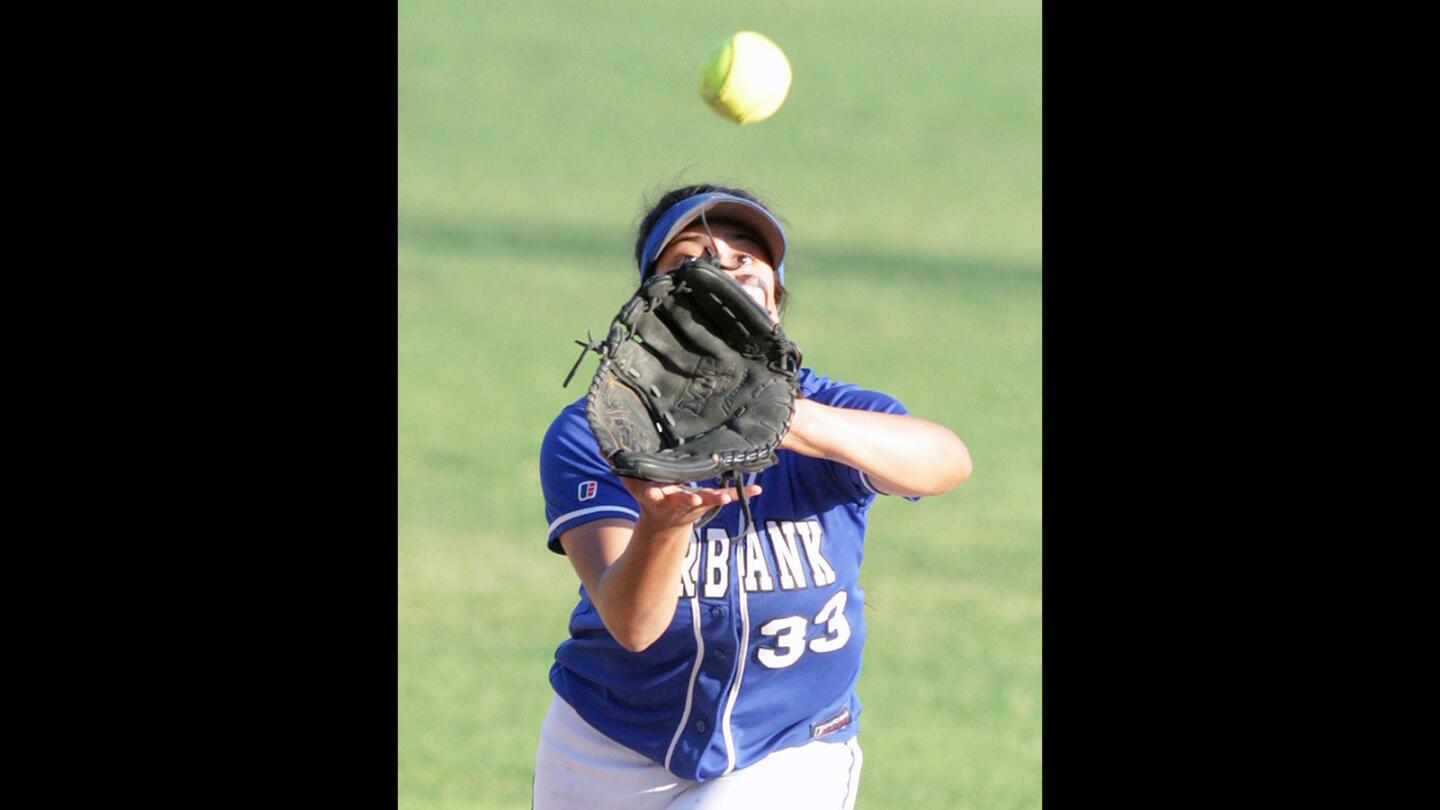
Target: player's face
point(741, 254)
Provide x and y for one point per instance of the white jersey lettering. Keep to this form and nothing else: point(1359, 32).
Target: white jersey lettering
point(717, 563)
point(819, 566)
point(690, 567)
point(755, 571)
point(787, 556)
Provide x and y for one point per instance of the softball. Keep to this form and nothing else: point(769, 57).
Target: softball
point(746, 78)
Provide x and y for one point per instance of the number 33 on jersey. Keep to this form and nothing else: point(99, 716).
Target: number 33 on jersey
point(789, 636)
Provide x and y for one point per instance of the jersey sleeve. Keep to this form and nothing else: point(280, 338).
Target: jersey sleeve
point(851, 481)
point(577, 483)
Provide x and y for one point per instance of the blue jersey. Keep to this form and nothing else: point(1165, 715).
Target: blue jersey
point(764, 649)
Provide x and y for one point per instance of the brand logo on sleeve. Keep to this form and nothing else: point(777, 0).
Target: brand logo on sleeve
point(587, 490)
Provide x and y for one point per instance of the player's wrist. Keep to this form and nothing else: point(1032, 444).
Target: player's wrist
point(805, 429)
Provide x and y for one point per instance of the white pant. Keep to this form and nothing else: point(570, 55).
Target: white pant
point(578, 768)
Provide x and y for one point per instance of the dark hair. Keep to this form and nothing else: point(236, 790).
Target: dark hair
point(673, 196)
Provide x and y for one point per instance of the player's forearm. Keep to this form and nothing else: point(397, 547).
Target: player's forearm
point(636, 596)
point(902, 455)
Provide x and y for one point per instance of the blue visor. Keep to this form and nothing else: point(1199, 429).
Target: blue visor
point(716, 206)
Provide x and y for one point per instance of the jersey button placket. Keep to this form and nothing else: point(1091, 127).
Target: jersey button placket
point(717, 641)
point(715, 632)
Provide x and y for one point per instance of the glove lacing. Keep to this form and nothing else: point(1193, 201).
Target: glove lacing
point(591, 345)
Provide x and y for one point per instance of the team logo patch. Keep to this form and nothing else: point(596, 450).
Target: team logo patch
point(830, 726)
point(587, 490)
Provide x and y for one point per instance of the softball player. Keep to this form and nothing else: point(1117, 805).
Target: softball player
point(716, 666)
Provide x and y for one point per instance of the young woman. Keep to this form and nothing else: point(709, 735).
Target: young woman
point(707, 667)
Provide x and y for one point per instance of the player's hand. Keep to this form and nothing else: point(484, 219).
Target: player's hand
point(670, 505)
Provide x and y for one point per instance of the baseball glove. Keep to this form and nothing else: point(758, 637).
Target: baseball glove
point(695, 381)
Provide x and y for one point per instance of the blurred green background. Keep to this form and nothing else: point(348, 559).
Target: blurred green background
point(907, 165)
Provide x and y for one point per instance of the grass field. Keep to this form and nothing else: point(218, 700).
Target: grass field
point(907, 165)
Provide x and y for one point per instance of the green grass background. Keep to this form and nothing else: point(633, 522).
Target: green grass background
point(906, 163)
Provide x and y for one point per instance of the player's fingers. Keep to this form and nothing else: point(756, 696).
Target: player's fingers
point(676, 492)
point(751, 491)
point(675, 497)
point(713, 497)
